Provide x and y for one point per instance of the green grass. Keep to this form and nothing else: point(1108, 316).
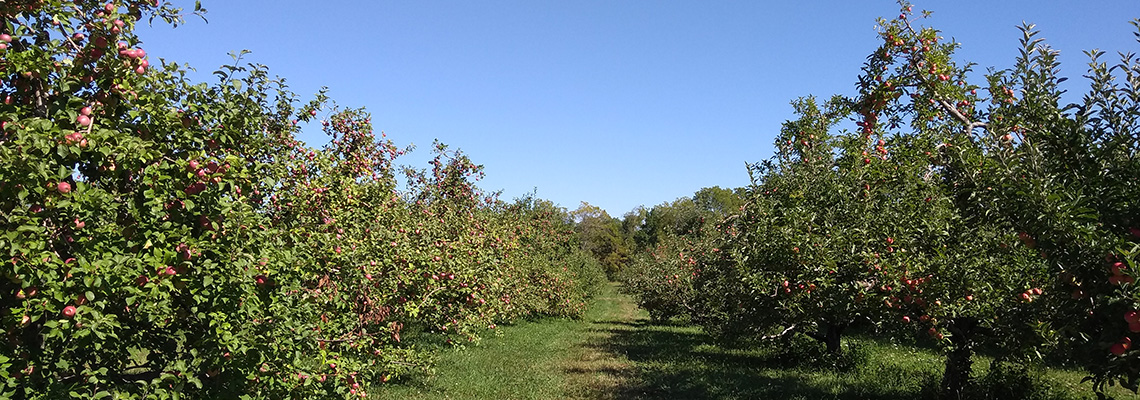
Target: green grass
point(516, 365)
point(616, 353)
point(528, 360)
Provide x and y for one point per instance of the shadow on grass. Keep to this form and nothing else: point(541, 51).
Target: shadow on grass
point(682, 362)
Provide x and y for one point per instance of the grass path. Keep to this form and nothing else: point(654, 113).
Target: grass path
point(546, 359)
point(615, 353)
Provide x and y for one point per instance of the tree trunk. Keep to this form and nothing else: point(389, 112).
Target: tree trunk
point(830, 334)
point(959, 362)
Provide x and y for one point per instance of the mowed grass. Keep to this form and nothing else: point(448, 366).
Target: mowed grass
point(545, 359)
point(616, 353)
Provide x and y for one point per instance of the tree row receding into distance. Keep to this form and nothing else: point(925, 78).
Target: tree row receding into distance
point(982, 213)
point(170, 239)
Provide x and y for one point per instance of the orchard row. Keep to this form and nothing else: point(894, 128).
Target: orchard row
point(981, 215)
point(163, 238)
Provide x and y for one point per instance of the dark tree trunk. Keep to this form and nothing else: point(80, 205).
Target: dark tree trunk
point(959, 362)
point(830, 334)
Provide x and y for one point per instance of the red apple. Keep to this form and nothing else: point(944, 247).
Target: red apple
point(69, 311)
point(1118, 349)
point(1117, 267)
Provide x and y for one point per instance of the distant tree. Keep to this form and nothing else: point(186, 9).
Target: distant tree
point(601, 236)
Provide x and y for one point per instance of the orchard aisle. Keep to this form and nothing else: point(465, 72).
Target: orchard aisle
point(614, 352)
point(547, 359)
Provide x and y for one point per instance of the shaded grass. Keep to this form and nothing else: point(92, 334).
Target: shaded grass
point(615, 352)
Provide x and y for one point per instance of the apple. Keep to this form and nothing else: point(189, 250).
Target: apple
point(1132, 317)
point(69, 311)
point(1118, 349)
point(1117, 267)
point(63, 187)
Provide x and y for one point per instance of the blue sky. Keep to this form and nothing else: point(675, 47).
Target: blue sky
point(617, 103)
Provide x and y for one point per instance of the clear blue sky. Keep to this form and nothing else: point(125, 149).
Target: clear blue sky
point(618, 103)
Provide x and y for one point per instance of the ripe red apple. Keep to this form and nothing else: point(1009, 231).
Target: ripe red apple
point(1117, 267)
point(63, 187)
point(69, 311)
point(1118, 349)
